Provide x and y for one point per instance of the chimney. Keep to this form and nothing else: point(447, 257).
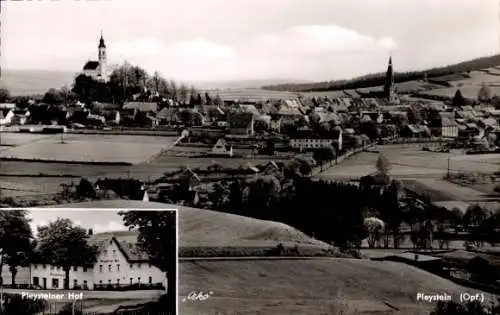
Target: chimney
point(91, 232)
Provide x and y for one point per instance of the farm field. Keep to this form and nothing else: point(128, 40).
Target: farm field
point(200, 227)
point(87, 148)
point(468, 91)
point(31, 186)
point(242, 93)
point(420, 170)
point(322, 286)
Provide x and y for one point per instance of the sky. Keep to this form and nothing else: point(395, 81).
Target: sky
point(99, 221)
point(223, 40)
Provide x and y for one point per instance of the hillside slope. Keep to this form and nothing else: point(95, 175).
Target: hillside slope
point(310, 287)
point(200, 227)
point(377, 79)
point(31, 82)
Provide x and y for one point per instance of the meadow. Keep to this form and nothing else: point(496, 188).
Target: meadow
point(207, 228)
point(83, 148)
point(320, 286)
point(421, 170)
point(249, 93)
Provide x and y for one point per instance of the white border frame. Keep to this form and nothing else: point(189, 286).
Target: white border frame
point(176, 210)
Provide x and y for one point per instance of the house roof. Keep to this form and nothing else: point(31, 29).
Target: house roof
point(446, 121)
point(142, 106)
point(105, 106)
point(91, 65)
point(240, 119)
point(126, 242)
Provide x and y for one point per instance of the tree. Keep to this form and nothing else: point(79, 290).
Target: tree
point(374, 227)
point(324, 154)
point(193, 96)
point(85, 189)
point(4, 95)
point(15, 304)
point(157, 237)
point(53, 97)
point(218, 100)
point(208, 99)
point(16, 240)
point(65, 245)
point(383, 165)
point(172, 90)
point(183, 94)
point(484, 94)
point(458, 99)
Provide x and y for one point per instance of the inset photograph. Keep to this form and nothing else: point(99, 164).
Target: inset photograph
point(88, 261)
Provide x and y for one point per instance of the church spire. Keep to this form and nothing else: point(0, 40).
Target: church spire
point(389, 80)
point(101, 42)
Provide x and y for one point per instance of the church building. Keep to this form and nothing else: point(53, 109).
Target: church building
point(98, 70)
point(389, 87)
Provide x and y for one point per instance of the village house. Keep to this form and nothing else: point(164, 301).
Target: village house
point(6, 116)
point(415, 131)
point(221, 148)
point(21, 116)
point(120, 262)
point(444, 125)
point(241, 123)
point(168, 116)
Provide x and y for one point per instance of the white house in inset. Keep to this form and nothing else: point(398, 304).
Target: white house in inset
point(222, 148)
point(120, 262)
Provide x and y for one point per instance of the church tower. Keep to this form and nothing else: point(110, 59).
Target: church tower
point(389, 88)
point(103, 67)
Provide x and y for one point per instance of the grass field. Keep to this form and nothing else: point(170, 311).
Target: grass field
point(253, 94)
point(312, 287)
point(199, 227)
point(420, 169)
point(85, 148)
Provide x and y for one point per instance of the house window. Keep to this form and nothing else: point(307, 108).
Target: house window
point(138, 279)
point(131, 280)
point(109, 268)
point(149, 265)
point(36, 281)
point(118, 267)
point(100, 281)
point(35, 266)
point(75, 268)
point(139, 265)
point(75, 282)
point(109, 281)
point(55, 283)
point(131, 266)
point(150, 280)
point(44, 266)
point(118, 281)
point(84, 269)
point(85, 284)
point(100, 268)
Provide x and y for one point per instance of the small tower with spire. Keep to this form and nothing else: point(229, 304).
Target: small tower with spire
point(389, 88)
point(103, 62)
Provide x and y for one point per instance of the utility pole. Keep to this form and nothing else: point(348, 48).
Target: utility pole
point(448, 168)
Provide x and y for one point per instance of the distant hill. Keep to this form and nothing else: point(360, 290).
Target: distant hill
point(242, 84)
point(377, 79)
point(30, 82)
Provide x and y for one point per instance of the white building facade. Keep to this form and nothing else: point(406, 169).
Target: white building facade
point(112, 268)
point(98, 70)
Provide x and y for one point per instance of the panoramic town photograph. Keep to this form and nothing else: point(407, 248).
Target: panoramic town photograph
point(323, 157)
point(88, 261)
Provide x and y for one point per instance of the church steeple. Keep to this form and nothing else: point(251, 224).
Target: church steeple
point(101, 42)
point(389, 81)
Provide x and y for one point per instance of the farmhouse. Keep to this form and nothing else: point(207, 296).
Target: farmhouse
point(222, 148)
point(119, 263)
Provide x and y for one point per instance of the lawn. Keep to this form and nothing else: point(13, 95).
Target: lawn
point(200, 227)
point(87, 148)
point(327, 286)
